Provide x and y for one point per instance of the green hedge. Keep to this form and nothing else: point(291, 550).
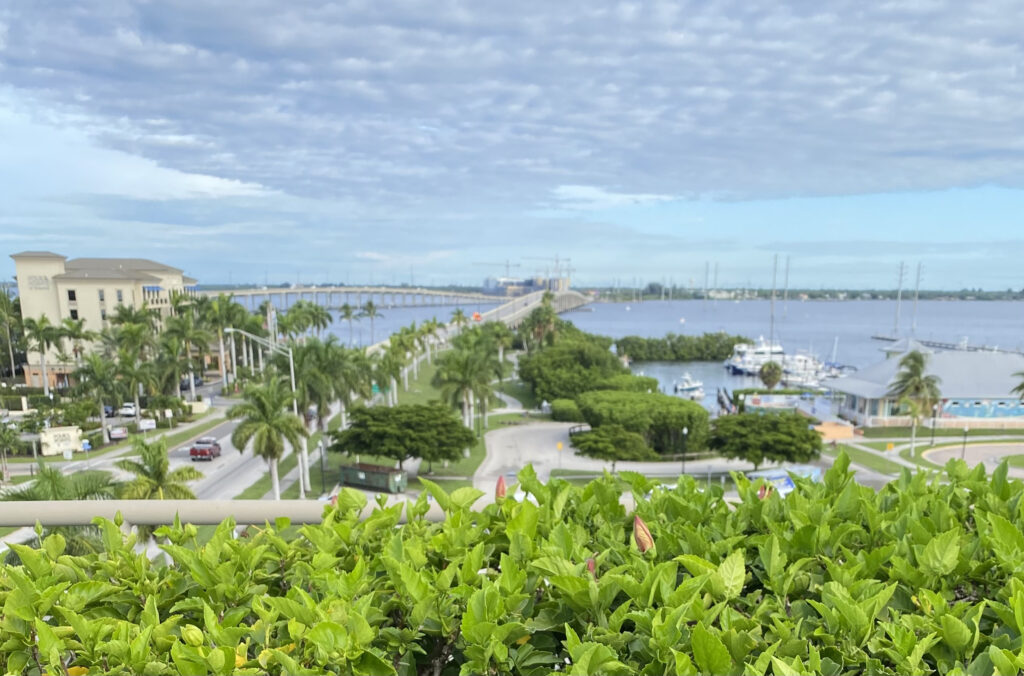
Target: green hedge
point(706, 347)
point(658, 418)
point(565, 410)
point(921, 577)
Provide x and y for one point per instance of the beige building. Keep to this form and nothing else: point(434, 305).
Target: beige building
point(88, 289)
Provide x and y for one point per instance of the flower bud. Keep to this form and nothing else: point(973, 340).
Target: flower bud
point(592, 567)
point(763, 492)
point(500, 489)
point(192, 635)
point(642, 535)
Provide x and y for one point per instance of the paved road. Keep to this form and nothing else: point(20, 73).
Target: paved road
point(990, 455)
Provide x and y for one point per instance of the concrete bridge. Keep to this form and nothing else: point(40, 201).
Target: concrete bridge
point(333, 297)
point(515, 311)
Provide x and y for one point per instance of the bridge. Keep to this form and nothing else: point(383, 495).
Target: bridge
point(515, 310)
point(333, 297)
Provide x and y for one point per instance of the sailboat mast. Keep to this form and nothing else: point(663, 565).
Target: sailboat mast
point(917, 291)
point(771, 326)
point(785, 290)
point(899, 299)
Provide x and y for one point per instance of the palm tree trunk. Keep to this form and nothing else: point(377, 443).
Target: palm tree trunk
point(275, 484)
point(103, 423)
point(344, 416)
point(46, 377)
point(223, 369)
point(467, 410)
point(394, 391)
point(483, 410)
point(913, 435)
point(405, 379)
point(191, 372)
point(501, 356)
point(10, 349)
point(249, 348)
point(138, 409)
point(371, 330)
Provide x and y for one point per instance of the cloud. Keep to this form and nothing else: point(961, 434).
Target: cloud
point(586, 198)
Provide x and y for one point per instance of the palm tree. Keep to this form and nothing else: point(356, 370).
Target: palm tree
point(770, 374)
point(171, 362)
point(313, 385)
point(10, 318)
point(9, 440)
point(371, 312)
point(143, 315)
point(346, 312)
point(1019, 390)
point(459, 319)
point(98, 377)
point(185, 329)
point(75, 331)
point(403, 344)
point(319, 317)
point(42, 335)
point(220, 314)
point(137, 375)
point(154, 478)
point(267, 423)
point(462, 375)
point(912, 385)
point(52, 484)
point(387, 370)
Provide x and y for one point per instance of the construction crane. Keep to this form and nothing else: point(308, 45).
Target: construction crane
point(561, 264)
point(508, 265)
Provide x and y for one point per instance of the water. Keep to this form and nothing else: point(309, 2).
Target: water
point(802, 326)
point(392, 319)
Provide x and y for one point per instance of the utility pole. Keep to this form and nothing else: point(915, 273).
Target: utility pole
point(899, 299)
point(917, 291)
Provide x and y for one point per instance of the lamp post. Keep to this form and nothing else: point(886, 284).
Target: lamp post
point(935, 410)
point(963, 449)
point(274, 347)
point(685, 432)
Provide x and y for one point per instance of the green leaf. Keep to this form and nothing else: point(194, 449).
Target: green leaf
point(1004, 661)
point(942, 553)
point(733, 573)
point(955, 633)
point(782, 668)
point(710, 653)
point(464, 497)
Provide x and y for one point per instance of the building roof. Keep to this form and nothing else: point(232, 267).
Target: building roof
point(126, 264)
point(102, 273)
point(962, 375)
point(37, 254)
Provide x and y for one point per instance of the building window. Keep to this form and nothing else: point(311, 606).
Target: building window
point(103, 315)
point(74, 314)
point(120, 296)
point(71, 296)
point(102, 296)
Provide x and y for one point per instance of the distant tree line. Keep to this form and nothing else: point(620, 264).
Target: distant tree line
point(673, 347)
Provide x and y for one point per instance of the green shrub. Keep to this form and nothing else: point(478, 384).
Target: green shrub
point(628, 383)
point(921, 577)
point(658, 418)
point(565, 410)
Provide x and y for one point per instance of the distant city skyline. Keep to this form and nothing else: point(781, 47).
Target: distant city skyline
point(314, 142)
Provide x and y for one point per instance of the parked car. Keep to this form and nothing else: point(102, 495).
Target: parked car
point(184, 383)
point(127, 410)
point(205, 448)
point(108, 411)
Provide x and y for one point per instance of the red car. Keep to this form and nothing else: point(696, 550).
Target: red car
point(205, 448)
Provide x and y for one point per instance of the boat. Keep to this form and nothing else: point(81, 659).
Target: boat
point(747, 359)
point(689, 388)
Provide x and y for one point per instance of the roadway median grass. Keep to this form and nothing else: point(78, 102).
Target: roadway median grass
point(867, 459)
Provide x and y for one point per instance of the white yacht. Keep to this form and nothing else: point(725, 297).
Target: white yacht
point(689, 388)
point(748, 359)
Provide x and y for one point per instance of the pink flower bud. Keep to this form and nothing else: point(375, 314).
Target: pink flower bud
point(500, 490)
point(642, 535)
point(592, 567)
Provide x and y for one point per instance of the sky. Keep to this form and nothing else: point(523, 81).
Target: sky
point(430, 142)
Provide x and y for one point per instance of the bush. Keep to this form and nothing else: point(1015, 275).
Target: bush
point(627, 382)
point(565, 410)
point(612, 443)
point(10, 403)
point(658, 418)
point(756, 437)
point(707, 347)
point(920, 577)
point(568, 368)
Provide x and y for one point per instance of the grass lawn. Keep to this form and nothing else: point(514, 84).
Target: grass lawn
point(263, 486)
point(868, 459)
point(420, 389)
point(878, 445)
point(926, 433)
point(517, 389)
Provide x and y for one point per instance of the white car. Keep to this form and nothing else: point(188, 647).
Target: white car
point(127, 410)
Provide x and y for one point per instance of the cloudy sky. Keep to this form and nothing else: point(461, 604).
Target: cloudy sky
point(374, 141)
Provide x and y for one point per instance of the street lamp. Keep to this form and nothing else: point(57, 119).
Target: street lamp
point(685, 432)
point(935, 410)
point(274, 347)
point(963, 449)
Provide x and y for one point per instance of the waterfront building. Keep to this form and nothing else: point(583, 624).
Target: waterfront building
point(976, 390)
point(88, 289)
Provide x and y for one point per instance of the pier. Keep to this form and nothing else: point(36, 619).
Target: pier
point(941, 345)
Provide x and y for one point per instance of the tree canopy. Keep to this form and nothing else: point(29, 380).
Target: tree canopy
point(705, 347)
point(757, 437)
point(770, 374)
point(658, 418)
point(612, 443)
point(569, 367)
point(430, 432)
